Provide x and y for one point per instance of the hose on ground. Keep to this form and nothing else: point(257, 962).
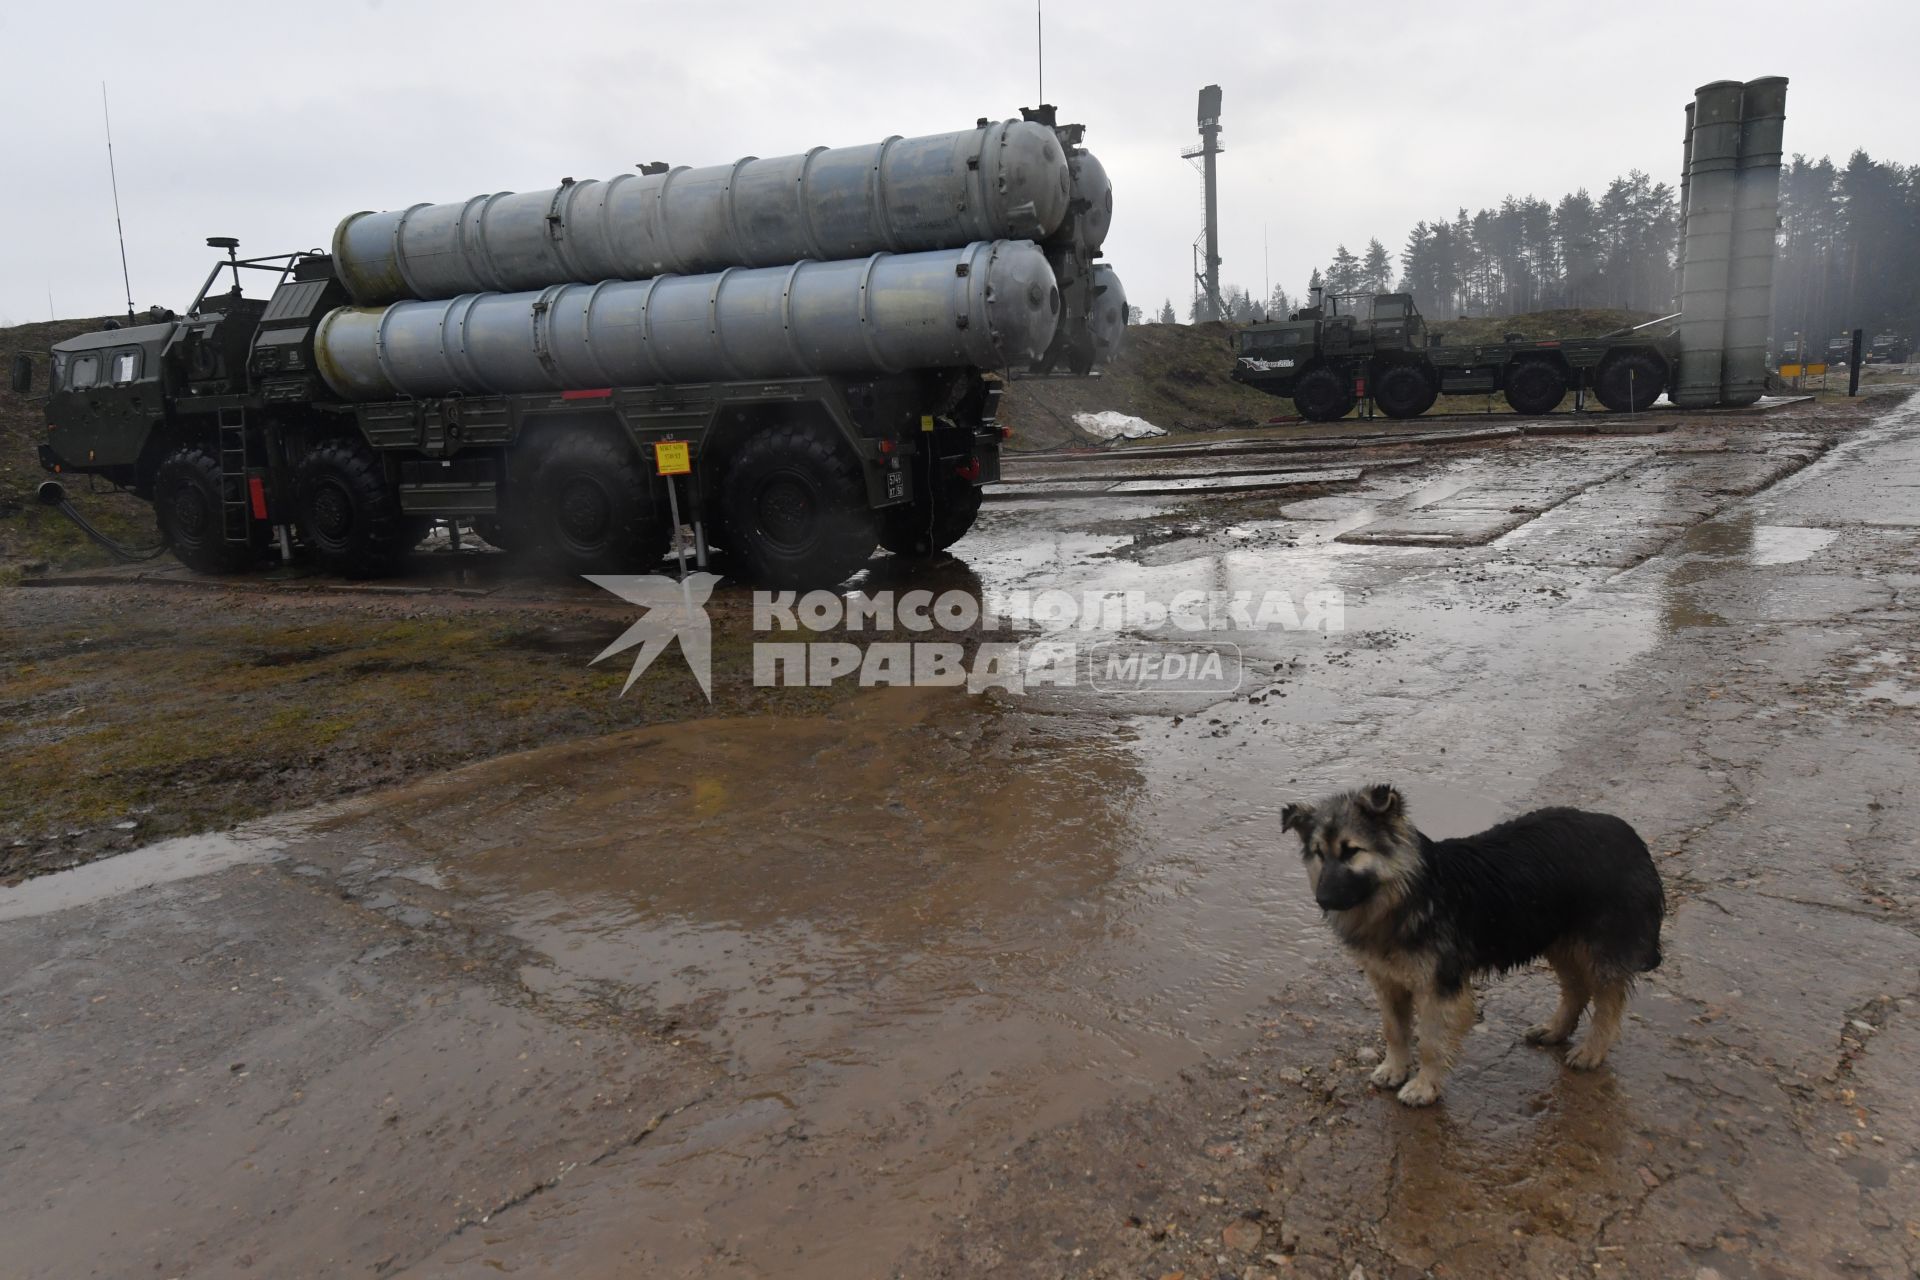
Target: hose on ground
point(66, 508)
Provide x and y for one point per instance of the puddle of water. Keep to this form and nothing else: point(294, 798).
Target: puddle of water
point(1786, 544)
point(157, 864)
point(1889, 691)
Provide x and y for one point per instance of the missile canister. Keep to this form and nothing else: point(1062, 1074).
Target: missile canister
point(988, 305)
point(1756, 212)
point(1108, 323)
point(998, 181)
point(1712, 186)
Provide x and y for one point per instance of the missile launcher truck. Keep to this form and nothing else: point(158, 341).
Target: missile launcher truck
point(827, 332)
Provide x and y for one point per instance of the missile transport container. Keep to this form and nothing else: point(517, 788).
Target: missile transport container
point(829, 333)
point(1327, 361)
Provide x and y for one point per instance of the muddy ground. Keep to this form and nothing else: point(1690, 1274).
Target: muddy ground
point(130, 713)
point(925, 983)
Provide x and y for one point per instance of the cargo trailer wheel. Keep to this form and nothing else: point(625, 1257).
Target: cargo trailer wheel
point(348, 514)
point(594, 509)
point(1404, 390)
point(188, 498)
point(923, 527)
point(1535, 387)
point(1630, 381)
point(1323, 395)
point(796, 509)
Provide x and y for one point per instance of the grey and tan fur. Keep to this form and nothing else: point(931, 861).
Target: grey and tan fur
point(1425, 917)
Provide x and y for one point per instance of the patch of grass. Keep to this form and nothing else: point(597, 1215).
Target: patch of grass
point(191, 713)
point(1571, 323)
point(1175, 376)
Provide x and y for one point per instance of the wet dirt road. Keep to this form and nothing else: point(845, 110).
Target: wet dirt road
point(941, 984)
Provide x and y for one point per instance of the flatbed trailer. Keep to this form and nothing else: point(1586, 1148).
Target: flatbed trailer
point(1329, 362)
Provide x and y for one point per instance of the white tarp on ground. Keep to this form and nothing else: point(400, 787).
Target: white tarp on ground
point(1110, 424)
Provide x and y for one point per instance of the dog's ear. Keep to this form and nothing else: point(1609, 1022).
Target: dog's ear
point(1381, 800)
point(1297, 818)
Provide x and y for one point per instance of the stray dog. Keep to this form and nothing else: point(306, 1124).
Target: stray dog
point(1424, 917)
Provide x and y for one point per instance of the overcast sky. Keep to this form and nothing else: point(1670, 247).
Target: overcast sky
point(270, 122)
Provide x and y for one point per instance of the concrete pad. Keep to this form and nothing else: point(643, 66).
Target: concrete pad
point(1227, 448)
point(236, 1093)
point(1245, 483)
point(1599, 426)
point(1438, 525)
point(1014, 472)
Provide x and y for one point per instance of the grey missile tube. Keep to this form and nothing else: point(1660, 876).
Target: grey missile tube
point(998, 181)
point(1712, 181)
point(1763, 112)
point(988, 305)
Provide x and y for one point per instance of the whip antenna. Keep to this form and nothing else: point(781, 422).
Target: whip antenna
point(114, 176)
point(1040, 46)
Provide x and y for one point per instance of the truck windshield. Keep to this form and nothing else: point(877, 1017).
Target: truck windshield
point(1254, 341)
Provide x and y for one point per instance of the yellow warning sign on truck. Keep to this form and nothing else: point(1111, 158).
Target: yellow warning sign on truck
point(672, 457)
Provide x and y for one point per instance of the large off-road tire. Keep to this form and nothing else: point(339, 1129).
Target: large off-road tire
point(594, 508)
point(349, 515)
point(188, 496)
point(1629, 381)
point(1535, 387)
point(930, 524)
point(1323, 394)
point(1404, 390)
point(795, 505)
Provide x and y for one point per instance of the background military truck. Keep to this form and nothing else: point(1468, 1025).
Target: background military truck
point(826, 331)
point(1345, 347)
point(1714, 354)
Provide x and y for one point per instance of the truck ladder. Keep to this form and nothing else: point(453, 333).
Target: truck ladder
point(234, 503)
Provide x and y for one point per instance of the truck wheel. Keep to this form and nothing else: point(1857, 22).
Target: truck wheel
point(921, 528)
point(1403, 391)
point(188, 493)
point(348, 514)
point(1535, 387)
point(1323, 395)
point(796, 509)
point(594, 508)
point(1630, 381)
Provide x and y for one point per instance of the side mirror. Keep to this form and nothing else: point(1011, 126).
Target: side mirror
point(20, 378)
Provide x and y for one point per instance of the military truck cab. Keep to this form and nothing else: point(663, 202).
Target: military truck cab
point(1320, 357)
point(1891, 348)
point(106, 393)
point(1397, 323)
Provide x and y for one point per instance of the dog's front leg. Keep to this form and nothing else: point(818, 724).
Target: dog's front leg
point(1445, 1019)
point(1396, 1021)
